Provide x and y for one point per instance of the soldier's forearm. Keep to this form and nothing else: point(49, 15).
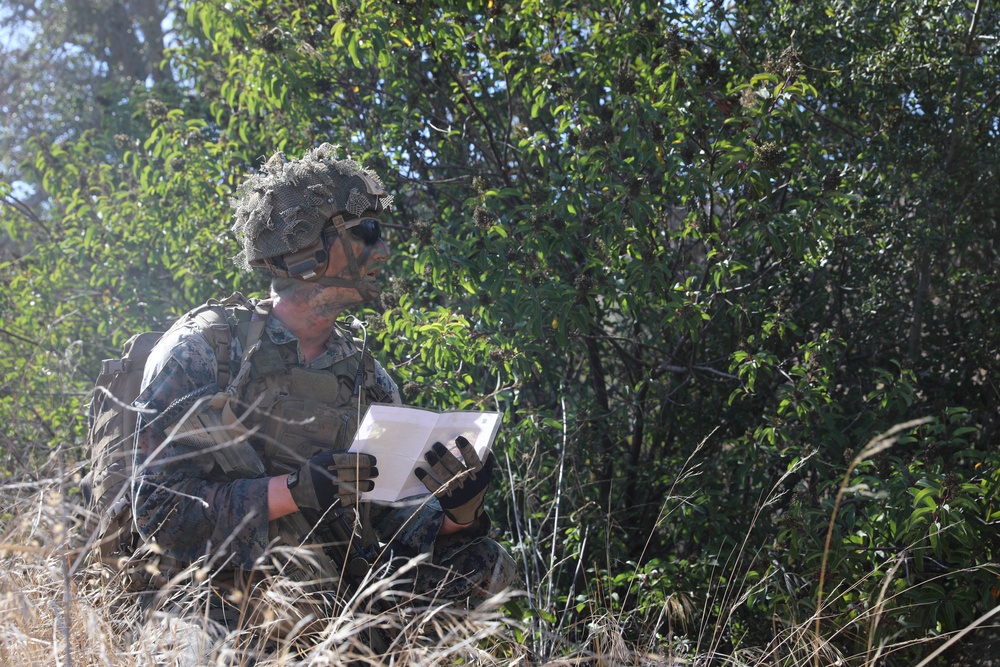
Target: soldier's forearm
point(279, 498)
point(448, 526)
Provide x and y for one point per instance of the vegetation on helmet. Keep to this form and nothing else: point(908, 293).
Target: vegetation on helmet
point(284, 208)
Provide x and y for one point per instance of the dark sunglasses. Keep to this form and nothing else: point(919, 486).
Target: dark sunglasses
point(367, 230)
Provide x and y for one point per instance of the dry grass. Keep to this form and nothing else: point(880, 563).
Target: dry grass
point(52, 615)
point(59, 609)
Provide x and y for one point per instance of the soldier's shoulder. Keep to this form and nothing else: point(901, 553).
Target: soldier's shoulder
point(183, 355)
point(183, 340)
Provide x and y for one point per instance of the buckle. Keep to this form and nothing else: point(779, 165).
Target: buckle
point(114, 366)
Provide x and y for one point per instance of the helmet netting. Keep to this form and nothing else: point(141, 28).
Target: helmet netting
point(284, 208)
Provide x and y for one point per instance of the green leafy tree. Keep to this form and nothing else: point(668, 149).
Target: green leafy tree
point(698, 256)
point(71, 67)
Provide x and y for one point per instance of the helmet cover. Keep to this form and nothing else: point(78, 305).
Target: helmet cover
point(284, 208)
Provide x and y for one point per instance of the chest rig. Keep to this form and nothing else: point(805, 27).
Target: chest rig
point(295, 412)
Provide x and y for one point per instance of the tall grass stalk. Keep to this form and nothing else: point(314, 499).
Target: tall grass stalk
point(876, 445)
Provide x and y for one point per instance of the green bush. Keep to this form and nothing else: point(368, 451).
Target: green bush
point(698, 256)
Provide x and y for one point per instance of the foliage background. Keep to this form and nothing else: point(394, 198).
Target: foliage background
point(698, 253)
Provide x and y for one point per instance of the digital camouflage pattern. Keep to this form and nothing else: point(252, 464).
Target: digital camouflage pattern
point(179, 500)
point(468, 565)
point(189, 509)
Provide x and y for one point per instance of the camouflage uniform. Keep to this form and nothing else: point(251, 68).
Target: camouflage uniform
point(191, 512)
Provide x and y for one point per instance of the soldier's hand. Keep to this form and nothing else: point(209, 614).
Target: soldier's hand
point(332, 478)
point(460, 485)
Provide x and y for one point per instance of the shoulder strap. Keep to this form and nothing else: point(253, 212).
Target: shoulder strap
point(255, 333)
point(217, 319)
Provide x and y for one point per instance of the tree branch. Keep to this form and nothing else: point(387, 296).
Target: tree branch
point(497, 154)
point(25, 211)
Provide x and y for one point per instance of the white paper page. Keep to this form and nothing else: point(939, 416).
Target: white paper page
point(400, 436)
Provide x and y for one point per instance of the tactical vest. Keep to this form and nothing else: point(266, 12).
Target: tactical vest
point(293, 413)
point(297, 412)
point(273, 414)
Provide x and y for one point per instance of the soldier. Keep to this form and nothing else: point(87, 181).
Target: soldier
point(242, 470)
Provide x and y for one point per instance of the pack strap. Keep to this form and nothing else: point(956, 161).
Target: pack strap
point(259, 312)
point(255, 334)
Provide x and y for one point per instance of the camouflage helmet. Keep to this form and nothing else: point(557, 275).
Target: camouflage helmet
point(285, 207)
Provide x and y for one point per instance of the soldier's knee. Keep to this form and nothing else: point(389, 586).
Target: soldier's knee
point(504, 572)
point(498, 575)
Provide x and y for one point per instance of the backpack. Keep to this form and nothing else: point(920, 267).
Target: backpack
point(113, 421)
point(112, 424)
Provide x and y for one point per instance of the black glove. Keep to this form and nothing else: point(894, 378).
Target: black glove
point(332, 476)
point(459, 485)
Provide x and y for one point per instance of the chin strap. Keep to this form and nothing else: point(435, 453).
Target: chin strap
point(366, 289)
point(310, 263)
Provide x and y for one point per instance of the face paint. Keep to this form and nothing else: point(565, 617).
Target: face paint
point(316, 258)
